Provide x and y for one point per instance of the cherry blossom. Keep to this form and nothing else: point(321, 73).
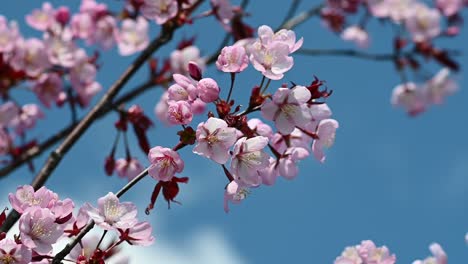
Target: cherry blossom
point(133, 36)
point(423, 23)
point(232, 59)
point(234, 193)
point(439, 256)
point(27, 118)
point(138, 234)
point(223, 10)
point(82, 25)
point(26, 197)
point(128, 168)
point(60, 49)
point(269, 174)
point(357, 35)
point(111, 213)
point(159, 10)
point(449, 7)
point(437, 88)
point(214, 138)
point(208, 90)
point(288, 108)
point(38, 229)
point(12, 253)
point(48, 88)
point(183, 90)
point(179, 113)
point(326, 137)
point(8, 111)
point(410, 97)
point(366, 253)
point(247, 158)
point(180, 59)
point(30, 56)
point(287, 166)
point(165, 163)
point(41, 19)
point(5, 142)
point(260, 128)
point(8, 35)
point(285, 36)
point(105, 32)
point(273, 61)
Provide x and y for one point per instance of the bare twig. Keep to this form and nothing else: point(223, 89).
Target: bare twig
point(302, 17)
point(347, 53)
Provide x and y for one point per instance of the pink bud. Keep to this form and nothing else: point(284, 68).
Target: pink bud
point(208, 90)
point(194, 70)
point(62, 15)
point(179, 113)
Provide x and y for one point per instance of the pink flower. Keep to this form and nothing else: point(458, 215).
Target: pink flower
point(288, 108)
point(41, 19)
point(437, 88)
point(357, 35)
point(270, 173)
point(9, 35)
point(12, 253)
point(60, 49)
point(379, 8)
point(208, 90)
point(318, 112)
point(30, 56)
point(287, 166)
point(400, 9)
point(439, 256)
point(183, 90)
point(214, 138)
point(138, 234)
point(38, 229)
point(160, 110)
point(159, 10)
point(449, 7)
point(197, 106)
point(179, 113)
point(366, 253)
point(25, 197)
point(232, 59)
point(63, 210)
point(423, 23)
point(105, 32)
point(27, 118)
point(48, 88)
point(87, 92)
point(181, 58)
point(285, 36)
point(326, 137)
point(83, 71)
point(248, 158)
point(74, 227)
point(272, 61)
point(223, 10)
point(128, 168)
point(133, 36)
point(111, 213)
point(82, 26)
point(8, 111)
point(234, 193)
point(410, 97)
point(165, 163)
point(260, 128)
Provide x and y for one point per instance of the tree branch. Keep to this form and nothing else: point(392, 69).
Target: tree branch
point(347, 53)
point(302, 17)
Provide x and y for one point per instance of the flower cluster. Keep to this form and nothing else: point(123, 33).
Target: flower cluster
point(439, 256)
point(45, 219)
point(366, 253)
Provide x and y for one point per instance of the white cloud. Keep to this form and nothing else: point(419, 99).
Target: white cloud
point(206, 245)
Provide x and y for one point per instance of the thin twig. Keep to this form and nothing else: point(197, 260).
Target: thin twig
point(292, 9)
point(302, 17)
point(347, 53)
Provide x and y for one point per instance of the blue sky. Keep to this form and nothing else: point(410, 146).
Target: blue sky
point(399, 181)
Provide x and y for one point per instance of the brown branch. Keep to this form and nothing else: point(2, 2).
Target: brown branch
point(56, 156)
point(347, 53)
point(302, 17)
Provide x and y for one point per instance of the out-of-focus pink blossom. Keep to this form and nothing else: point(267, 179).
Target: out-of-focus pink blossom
point(48, 88)
point(287, 166)
point(270, 173)
point(26, 197)
point(12, 253)
point(83, 71)
point(181, 58)
point(128, 168)
point(208, 90)
point(232, 59)
point(357, 35)
point(400, 9)
point(179, 113)
point(260, 128)
point(30, 56)
point(214, 138)
point(223, 10)
point(5, 142)
point(197, 106)
point(410, 97)
point(82, 25)
point(41, 19)
point(160, 110)
point(288, 108)
point(234, 193)
point(138, 234)
point(87, 92)
point(62, 15)
point(27, 118)
point(159, 10)
point(378, 8)
point(326, 137)
point(165, 163)
point(111, 213)
point(8, 111)
point(366, 253)
point(248, 158)
point(60, 49)
point(38, 229)
point(441, 85)
point(105, 32)
point(449, 7)
point(8, 35)
point(133, 36)
point(439, 256)
point(423, 22)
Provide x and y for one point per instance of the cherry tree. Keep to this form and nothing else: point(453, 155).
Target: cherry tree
point(255, 135)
